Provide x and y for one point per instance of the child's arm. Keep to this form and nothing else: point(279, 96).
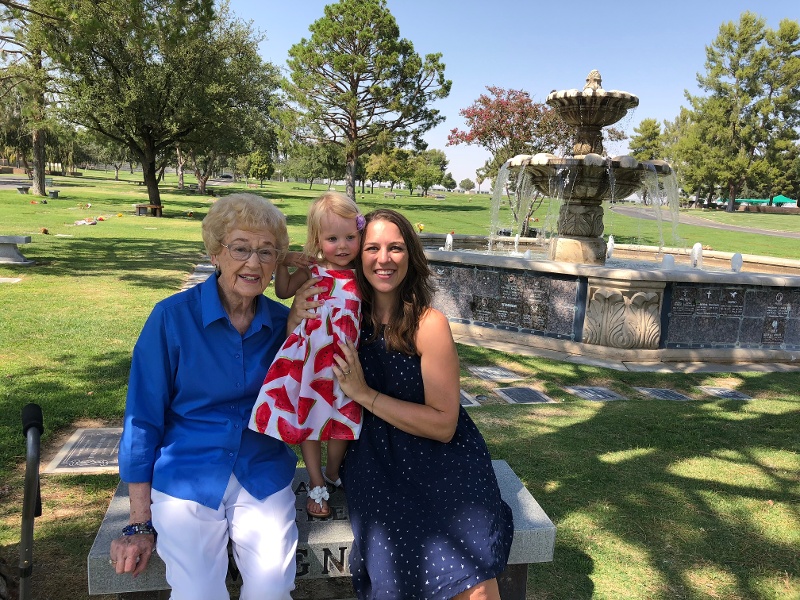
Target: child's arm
point(287, 284)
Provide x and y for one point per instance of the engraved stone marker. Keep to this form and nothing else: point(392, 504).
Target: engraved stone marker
point(494, 374)
point(522, 395)
point(593, 393)
point(726, 393)
point(468, 399)
point(662, 393)
point(93, 450)
point(732, 303)
point(774, 331)
point(778, 306)
point(683, 302)
point(708, 301)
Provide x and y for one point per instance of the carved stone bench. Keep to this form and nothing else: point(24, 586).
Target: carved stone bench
point(143, 209)
point(324, 545)
point(9, 253)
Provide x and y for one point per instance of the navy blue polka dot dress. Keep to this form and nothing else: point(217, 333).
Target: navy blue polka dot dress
point(427, 517)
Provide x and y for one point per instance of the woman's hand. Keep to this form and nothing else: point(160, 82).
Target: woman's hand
point(350, 375)
point(304, 306)
point(131, 553)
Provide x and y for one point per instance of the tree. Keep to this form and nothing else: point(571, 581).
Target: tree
point(427, 169)
point(151, 75)
point(305, 162)
point(507, 123)
point(448, 182)
point(480, 177)
point(752, 102)
point(332, 159)
point(261, 166)
point(467, 185)
point(26, 76)
point(379, 167)
point(357, 83)
point(648, 143)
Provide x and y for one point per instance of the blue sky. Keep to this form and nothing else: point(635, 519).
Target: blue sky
point(651, 49)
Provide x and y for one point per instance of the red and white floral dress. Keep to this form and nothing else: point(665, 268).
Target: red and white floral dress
point(301, 398)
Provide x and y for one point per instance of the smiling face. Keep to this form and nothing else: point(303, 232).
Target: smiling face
point(384, 257)
point(242, 281)
point(338, 240)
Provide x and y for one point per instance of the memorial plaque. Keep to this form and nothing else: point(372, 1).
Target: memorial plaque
point(732, 302)
point(708, 300)
point(494, 374)
point(726, 393)
point(468, 399)
point(89, 451)
point(522, 395)
point(505, 312)
point(534, 317)
point(487, 280)
point(511, 287)
point(774, 331)
point(482, 309)
point(593, 393)
point(662, 393)
point(777, 306)
point(683, 303)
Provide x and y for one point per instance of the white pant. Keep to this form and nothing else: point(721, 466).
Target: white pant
point(193, 542)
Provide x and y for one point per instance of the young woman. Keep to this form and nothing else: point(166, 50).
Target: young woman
point(425, 507)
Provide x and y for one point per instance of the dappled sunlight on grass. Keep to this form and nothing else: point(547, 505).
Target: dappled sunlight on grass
point(727, 470)
point(615, 458)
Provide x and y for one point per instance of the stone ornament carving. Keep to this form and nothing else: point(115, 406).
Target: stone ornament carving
point(623, 319)
point(593, 80)
point(581, 220)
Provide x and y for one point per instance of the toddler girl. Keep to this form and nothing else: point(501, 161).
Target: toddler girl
point(300, 401)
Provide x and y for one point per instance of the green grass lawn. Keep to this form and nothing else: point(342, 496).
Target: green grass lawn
point(652, 499)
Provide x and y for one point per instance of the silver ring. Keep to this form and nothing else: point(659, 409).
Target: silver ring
point(346, 373)
point(112, 561)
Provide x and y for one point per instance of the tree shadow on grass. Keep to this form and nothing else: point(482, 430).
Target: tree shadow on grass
point(153, 263)
point(659, 490)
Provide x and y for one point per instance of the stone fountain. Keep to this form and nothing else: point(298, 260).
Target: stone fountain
point(588, 177)
point(575, 304)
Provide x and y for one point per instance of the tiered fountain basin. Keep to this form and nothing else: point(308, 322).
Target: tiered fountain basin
point(635, 315)
point(590, 178)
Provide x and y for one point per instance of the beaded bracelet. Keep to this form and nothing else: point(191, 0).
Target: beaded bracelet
point(134, 528)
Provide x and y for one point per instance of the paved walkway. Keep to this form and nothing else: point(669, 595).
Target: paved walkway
point(640, 212)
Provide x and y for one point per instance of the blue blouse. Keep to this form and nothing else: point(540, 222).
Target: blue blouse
point(193, 382)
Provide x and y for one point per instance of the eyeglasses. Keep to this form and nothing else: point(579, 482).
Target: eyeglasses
point(243, 253)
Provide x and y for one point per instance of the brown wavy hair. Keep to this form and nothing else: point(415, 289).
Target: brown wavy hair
point(415, 294)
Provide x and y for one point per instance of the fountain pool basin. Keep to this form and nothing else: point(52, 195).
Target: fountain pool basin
point(641, 315)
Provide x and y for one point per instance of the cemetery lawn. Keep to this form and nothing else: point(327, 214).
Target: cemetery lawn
point(652, 499)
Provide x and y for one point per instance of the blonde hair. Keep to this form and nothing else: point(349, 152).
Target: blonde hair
point(329, 203)
point(243, 211)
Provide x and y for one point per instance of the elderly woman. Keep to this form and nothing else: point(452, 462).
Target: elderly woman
point(197, 475)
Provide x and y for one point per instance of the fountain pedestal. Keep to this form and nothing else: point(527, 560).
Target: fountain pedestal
point(588, 251)
point(580, 240)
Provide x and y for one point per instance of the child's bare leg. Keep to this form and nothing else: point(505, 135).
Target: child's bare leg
point(336, 450)
point(312, 456)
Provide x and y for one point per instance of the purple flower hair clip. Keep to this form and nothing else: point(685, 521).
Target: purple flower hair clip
point(361, 222)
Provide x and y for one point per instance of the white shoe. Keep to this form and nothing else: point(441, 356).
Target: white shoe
point(336, 484)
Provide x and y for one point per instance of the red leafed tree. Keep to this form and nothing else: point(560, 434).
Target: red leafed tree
point(509, 122)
